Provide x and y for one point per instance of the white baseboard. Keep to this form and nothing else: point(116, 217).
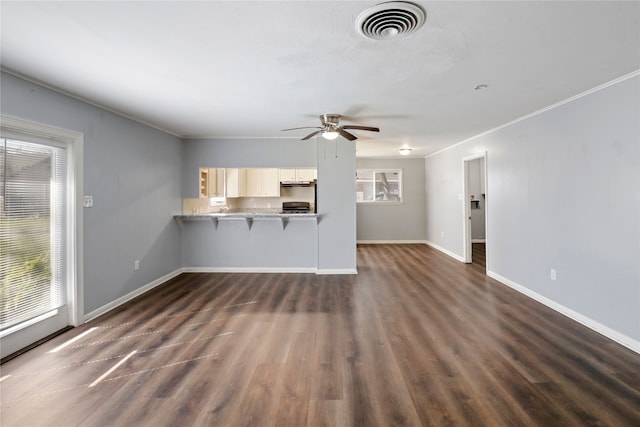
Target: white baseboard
point(322, 271)
point(249, 269)
point(391, 242)
point(131, 295)
point(270, 270)
point(445, 251)
point(606, 331)
point(478, 240)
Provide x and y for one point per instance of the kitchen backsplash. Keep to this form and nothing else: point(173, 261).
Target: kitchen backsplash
point(287, 194)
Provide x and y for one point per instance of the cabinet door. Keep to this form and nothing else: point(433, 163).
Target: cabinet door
point(236, 182)
point(306, 174)
point(287, 174)
point(270, 183)
point(216, 182)
point(212, 182)
point(254, 182)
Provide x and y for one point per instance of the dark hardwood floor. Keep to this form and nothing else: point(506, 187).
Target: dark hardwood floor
point(416, 338)
point(479, 255)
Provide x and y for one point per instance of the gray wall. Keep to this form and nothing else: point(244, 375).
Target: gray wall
point(334, 236)
point(133, 173)
point(395, 221)
point(562, 194)
point(337, 206)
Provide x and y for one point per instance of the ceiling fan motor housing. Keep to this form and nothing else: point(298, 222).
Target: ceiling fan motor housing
point(330, 120)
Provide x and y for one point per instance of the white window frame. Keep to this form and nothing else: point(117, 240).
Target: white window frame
point(377, 170)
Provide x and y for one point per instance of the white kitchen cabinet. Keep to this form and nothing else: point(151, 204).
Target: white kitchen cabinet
point(305, 174)
point(216, 182)
point(236, 179)
point(270, 183)
point(211, 182)
point(287, 175)
point(263, 182)
point(297, 174)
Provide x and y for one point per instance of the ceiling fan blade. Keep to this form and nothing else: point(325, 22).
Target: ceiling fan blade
point(312, 134)
point(370, 128)
point(347, 135)
point(305, 127)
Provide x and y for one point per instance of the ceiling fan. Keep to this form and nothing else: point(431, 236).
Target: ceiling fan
point(331, 128)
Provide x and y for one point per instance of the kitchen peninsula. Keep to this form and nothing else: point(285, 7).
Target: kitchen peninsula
point(321, 244)
point(256, 219)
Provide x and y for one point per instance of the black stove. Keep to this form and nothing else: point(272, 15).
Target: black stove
point(296, 207)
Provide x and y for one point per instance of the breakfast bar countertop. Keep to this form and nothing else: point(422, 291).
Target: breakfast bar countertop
point(246, 214)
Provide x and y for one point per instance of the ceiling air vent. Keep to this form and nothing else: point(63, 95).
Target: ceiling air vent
point(389, 20)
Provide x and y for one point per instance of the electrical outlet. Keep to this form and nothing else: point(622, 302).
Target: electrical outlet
point(87, 201)
point(136, 265)
point(552, 274)
point(442, 234)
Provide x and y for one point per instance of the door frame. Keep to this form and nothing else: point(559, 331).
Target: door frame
point(16, 128)
point(466, 206)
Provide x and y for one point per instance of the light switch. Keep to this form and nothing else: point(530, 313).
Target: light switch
point(87, 201)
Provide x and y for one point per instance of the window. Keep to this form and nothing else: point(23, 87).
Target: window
point(379, 185)
point(32, 226)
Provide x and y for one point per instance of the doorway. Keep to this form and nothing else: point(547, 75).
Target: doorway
point(475, 209)
point(38, 233)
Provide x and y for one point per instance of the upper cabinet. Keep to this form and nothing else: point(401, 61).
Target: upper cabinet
point(262, 182)
point(297, 175)
point(236, 182)
point(211, 181)
point(249, 182)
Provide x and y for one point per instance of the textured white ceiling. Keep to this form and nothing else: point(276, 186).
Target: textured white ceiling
point(250, 69)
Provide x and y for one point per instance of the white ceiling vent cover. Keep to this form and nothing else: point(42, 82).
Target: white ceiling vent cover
point(389, 20)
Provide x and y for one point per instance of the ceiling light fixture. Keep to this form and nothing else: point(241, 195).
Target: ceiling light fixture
point(330, 134)
point(404, 151)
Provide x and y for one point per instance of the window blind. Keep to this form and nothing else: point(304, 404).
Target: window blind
point(32, 230)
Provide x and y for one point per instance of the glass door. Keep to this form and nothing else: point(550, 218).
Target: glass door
point(32, 242)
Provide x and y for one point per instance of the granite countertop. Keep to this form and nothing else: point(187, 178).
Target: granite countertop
point(247, 213)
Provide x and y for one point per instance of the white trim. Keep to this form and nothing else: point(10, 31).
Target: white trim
point(478, 240)
point(27, 323)
point(391, 242)
point(598, 327)
point(249, 269)
point(326, 271)
point(542, 110)
point(445, 251)
point(131, 295)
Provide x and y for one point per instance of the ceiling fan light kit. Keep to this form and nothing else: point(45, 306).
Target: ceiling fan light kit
point(330, 135)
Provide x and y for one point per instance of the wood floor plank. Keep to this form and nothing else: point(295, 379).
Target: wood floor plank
point(416, 338)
